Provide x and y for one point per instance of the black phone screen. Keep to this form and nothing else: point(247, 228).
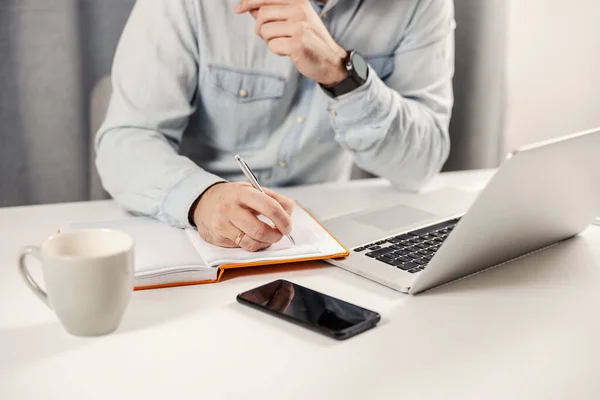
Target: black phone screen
point(315, 310)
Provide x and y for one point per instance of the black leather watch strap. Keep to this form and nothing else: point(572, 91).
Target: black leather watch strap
point(358, 72)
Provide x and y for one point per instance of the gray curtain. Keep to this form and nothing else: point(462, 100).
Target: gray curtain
point(53, 52)
point(477, 125)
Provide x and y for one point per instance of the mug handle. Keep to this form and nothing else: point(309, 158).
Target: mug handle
point(31, 283)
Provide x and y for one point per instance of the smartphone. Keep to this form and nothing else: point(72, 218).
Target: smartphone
point(314, 310)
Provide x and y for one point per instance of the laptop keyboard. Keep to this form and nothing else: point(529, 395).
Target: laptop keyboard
point(411, 251)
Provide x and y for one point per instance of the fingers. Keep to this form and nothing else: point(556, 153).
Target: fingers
point(268, 14)
point(286, 202)
point(252, 245)
point(247, 5)
point(280, 29)
point(281, 46)
point(215, 238)
point(254, 228)
point(269, 207)
point(230, 232)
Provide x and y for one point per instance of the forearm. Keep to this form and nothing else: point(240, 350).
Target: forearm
point(399, 129)
point(395, 137)
point(154, 78)
point(145, 175)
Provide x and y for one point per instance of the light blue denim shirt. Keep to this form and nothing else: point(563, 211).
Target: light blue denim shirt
point(196, 67)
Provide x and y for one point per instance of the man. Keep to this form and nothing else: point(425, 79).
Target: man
point(300, 89)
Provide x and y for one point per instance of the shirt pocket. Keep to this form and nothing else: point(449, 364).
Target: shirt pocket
point(243, 105)
point(383, 65)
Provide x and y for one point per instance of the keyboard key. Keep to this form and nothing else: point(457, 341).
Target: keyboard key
point(420, 246)
point(380, 242)
point(374, 248)
point(423, 231)
point(387, 261)
point(433, 228)
point(404, 259)
point(420, 262)
point(439, 240)
point(414, 255)
point(359, 249)
point(379, 252)
point(425, 252)
point(403, 237)
point(428, 258)
point(406, 266)
point(412, 271)
point(390, 256)
point(401, 252)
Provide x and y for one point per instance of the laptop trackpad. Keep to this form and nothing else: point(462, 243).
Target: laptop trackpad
point(394, 217)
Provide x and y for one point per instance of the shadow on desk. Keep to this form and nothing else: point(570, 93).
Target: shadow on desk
point(158, 306)
point(569, 262)
point(31, 344)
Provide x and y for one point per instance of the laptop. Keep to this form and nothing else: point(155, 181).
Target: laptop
point(540, 195)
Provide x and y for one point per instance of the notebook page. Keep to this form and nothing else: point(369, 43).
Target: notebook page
point(159, 248)
point(312, 240)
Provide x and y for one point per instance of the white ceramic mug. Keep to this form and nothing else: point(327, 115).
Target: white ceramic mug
point(88, 276)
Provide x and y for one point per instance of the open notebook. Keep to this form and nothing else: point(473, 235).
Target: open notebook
point(167, 256)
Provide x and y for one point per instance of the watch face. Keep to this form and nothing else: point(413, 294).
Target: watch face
point(360, 65)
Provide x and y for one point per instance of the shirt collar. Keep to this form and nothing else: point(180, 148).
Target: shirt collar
point(328, 6)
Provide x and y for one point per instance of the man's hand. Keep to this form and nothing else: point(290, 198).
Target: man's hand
point(225, 211)
point(292, 28)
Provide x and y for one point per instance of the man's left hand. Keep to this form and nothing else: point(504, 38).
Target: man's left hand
point(292, 28)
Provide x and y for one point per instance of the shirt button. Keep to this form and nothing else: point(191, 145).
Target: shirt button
point(299, 120)
point(324, 15)
point(332, 112)
point(243, 93)
point(282, 164)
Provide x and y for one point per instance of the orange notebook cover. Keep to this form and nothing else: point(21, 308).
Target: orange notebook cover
point(167, 256)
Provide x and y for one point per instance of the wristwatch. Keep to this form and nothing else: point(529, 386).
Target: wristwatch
point(358, 72)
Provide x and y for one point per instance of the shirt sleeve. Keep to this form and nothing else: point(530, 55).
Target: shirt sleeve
point(398, 129)
point(154, 80)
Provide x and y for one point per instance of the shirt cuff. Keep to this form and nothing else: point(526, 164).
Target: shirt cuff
point(177, 203)
point(359, 107)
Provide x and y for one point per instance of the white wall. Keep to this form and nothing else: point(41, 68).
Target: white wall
point(553, 69)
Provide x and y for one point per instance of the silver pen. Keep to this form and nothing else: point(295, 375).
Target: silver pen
point(254, 182)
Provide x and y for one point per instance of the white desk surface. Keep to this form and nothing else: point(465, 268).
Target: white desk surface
point(526, 330)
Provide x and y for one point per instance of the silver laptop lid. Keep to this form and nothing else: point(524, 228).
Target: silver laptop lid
point(541, 194)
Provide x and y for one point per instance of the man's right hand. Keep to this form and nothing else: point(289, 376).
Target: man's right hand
point(225, 211)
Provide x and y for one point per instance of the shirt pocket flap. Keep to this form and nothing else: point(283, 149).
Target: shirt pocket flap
point(246, 85)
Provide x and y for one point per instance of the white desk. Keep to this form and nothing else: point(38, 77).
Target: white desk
point(528, 329)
